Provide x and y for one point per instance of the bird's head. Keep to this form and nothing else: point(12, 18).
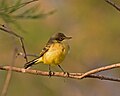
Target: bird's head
point(60, 37)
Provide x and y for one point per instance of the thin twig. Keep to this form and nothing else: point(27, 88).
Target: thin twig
point(24, 50)
point(58, 74)
point(31, 55)
point(9, 74)
point(5, 29)
point(113, 4)
point(100, 69)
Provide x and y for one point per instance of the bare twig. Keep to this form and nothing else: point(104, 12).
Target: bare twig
point(58, 74)
point(9, 74)
point(100, 69)
point(22, 54)
point(23, 47)
point(5, 29)
point(113, 4)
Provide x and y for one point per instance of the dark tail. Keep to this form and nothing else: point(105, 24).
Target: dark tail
point(30, 63)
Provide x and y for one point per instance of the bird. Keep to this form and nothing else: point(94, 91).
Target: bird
point(53, 53)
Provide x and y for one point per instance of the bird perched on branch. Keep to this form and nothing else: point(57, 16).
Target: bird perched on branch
point(53, 53)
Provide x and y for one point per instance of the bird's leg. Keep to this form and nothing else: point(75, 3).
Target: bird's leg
point(63, 70)
point(50, 72)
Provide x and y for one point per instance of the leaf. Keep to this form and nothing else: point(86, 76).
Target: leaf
point(15, 7)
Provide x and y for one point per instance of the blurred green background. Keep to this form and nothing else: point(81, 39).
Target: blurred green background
point(94, 26)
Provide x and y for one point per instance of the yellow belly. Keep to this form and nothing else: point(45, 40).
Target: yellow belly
point(56, 54)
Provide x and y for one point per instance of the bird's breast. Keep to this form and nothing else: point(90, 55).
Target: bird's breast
point(56, 53)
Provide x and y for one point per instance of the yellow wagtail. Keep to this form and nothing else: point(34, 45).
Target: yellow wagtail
point(53, 53)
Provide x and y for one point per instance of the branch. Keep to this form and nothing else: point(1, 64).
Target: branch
point(23, 55)
point(106, 67)
point(9, 75)
point(113, 4)
point(5, 29)
point(58, 74)
point(24, 50)
point(100, 69)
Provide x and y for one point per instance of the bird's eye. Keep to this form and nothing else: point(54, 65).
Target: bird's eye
point(61, 38)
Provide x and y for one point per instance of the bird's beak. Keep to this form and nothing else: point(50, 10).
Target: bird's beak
point(68, 38)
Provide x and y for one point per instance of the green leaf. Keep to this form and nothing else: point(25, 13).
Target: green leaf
point(15, 7)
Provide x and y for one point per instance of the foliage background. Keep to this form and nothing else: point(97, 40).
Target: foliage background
point(94, 26)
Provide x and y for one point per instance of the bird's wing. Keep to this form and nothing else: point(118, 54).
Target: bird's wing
point(45, 49)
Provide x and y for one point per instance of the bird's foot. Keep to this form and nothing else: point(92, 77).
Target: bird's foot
point(66, 73)
point(50, 74)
